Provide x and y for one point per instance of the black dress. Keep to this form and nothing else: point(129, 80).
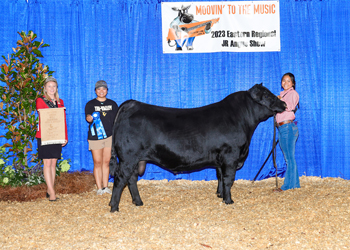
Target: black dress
point(52, 151)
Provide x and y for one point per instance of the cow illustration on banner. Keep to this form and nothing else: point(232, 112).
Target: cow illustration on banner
point(184, 29)
point(220, 26)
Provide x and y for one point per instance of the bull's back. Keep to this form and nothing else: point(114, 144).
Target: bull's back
point(174, 137)
point(136, 117)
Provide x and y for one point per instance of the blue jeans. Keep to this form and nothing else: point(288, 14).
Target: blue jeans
point(288, 135)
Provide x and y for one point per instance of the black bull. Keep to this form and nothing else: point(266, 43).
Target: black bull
point(216, 135)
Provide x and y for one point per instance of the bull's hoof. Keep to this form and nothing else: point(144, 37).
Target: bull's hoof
point(114, 209)
point(228, 202)
point(219, 195)
point(137, 203)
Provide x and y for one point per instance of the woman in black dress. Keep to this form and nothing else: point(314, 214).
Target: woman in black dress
point(50, 153)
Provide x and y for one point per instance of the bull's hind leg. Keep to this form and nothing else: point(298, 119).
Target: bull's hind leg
point(219, 191)
point(118, 186)
point(132, 185)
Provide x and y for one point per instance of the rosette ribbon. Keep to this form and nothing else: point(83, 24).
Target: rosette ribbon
point(100, 130)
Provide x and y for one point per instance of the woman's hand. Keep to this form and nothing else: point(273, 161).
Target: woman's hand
point(279, 97)
point(89, 118)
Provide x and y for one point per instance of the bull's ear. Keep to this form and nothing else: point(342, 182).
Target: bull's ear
point(252, 91)
point(261, 84)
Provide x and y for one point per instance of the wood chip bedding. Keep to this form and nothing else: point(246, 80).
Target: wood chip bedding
point(186, 214)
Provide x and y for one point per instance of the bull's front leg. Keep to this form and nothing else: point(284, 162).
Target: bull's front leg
point(229, 174)
point(219, 191)
point(118, 186)
point(132, 185)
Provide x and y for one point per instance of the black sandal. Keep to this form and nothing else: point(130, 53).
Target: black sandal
point(48, 196)
point(55, 199)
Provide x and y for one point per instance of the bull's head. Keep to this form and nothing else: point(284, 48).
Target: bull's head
point(263, 96)
point(183, 14)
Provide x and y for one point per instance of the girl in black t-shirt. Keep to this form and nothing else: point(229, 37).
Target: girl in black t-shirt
point(100, 114)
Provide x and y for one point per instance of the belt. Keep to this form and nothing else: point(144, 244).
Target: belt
point(284, 122)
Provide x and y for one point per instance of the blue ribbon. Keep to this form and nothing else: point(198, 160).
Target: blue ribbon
point(101, 133)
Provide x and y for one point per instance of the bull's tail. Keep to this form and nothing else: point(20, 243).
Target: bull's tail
point(113, 162)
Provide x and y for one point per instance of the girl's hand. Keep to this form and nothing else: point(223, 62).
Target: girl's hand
point(279, 97)
point(89, 118)
point(64, 144)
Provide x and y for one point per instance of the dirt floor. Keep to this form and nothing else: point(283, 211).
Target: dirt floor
point(186, 215)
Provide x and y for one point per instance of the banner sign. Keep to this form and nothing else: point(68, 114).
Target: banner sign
point(52, 125)
point(239, 26)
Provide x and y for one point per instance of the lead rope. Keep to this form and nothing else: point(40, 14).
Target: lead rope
point(274, 147)
point(274, 143)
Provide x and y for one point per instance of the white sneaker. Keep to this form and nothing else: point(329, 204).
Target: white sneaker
point(99, 192)
point(106, 190)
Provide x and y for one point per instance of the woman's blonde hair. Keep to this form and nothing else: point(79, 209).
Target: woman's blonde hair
point(51, 79)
